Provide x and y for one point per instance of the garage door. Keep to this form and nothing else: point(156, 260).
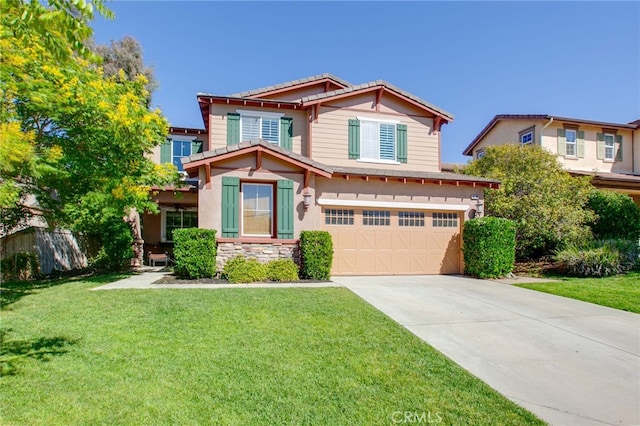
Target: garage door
point(393, 242)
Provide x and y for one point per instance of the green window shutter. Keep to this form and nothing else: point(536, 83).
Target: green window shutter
point(165, 151)
point(285, 209)
point(286, 132)
point(618, 146)
point(562, 142)
point(401, 143)
point(233, 128)
point(354, 139)
point(600, 146)
point(580, 143)
point(230, 206)
point(196, 147)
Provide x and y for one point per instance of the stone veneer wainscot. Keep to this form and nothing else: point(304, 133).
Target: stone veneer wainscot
point(264, 252)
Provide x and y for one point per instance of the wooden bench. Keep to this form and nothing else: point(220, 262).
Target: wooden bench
point(154, 258)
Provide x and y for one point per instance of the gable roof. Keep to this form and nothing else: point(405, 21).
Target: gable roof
point(528, 117)
point(300, 82)
point(376, 85)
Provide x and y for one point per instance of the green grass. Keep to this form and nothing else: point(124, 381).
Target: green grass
point(232, 356)
point(620, 292)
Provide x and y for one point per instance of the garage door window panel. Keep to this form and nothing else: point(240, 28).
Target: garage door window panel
point(376, 218)
point(445, 220)
point(409, 218)
point(338, 217)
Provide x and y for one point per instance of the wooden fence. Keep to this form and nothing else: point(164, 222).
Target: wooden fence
point(57, 250)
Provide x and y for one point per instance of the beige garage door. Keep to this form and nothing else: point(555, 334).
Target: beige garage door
point(393, 242)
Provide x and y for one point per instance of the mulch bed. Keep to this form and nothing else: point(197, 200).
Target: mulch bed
point(172, 279)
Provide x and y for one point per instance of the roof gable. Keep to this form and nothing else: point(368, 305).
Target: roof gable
point(325, 82)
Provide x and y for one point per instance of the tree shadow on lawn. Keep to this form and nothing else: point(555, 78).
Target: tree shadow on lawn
point(12, 291)
point(42, 349)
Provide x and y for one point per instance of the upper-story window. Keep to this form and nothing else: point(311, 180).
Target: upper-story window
point(260, 125)
point(480, 153)
point(570, 141)
point(609, 146)
point(375, 140)
point(527, 136)
point(176, 147)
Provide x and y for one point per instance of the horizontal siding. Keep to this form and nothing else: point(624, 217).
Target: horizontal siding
point(218, 125)
point(330, 135)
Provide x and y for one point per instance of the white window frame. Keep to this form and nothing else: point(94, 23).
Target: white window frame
point(612, 147)
point(163, 220)
point(480, 153)
point(181, 138)
point(272, 211)
point(377, 159)
point(522, 136)
point(260, 115)
point(574, 144)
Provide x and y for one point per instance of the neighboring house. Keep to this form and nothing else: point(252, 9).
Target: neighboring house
point(609, 152)
point(359, 161)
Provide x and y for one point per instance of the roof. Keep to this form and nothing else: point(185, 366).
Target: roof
point(196, 160)
point(308, 100)
point(186, 131)
point(293, 83)
point(611, 177)
point(193, 162)
point(500, 117)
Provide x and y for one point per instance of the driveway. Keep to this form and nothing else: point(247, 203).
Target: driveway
point(569, 362)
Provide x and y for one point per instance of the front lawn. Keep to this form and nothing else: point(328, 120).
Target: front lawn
point(234, 356)
point(620, 292)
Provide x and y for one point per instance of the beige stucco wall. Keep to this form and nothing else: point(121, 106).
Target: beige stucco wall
point(218, 125)
point(508, 132)
point(590, 162)
point(330, 132)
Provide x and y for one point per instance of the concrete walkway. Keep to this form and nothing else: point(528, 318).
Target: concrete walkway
point(145, 281)
point(569, 362)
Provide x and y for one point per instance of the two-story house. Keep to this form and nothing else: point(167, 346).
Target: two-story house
point(609, 152)
point(359, 161)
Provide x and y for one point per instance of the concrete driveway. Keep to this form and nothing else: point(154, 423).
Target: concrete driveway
point(569, 362)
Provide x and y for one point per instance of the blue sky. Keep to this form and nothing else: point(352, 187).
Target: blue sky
point(473, 59)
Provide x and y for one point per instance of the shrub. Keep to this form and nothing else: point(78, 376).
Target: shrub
point(195, 252)
point(20, 266)
point(282, 270)
point(316, 249)
point(243, 270)
point(618, 215)
point(602, 258)
point(489, 247)
point(115, 239)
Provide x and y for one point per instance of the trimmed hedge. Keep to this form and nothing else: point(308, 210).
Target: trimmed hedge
point(282, 270)
point(618, 215)
point(20, 266)
point(316, 249)
point(243, 270)
point(195, 252)
point(489, 247)
point(600, 259)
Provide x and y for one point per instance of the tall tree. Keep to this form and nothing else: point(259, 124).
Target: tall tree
point(72, 138)
point(546, 203)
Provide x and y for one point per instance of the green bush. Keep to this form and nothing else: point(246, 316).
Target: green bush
point(282, 270)
point(601, 258)
point(243, 270)
point(489, 247)
point(618, 215)
point(316, 249)
point(195, 252)
point(115, 240)
point(20, 266)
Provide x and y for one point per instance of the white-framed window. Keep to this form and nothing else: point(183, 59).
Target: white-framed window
point(260, 125)
point(179, 149)
point(179, 218)
point(338, 217)
point(376, 218)
point(609, 146)
point(444, 220)
point(526, 138)
point(570, 142)
point(257, 209)
point(377, 140)
point(480, 153)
